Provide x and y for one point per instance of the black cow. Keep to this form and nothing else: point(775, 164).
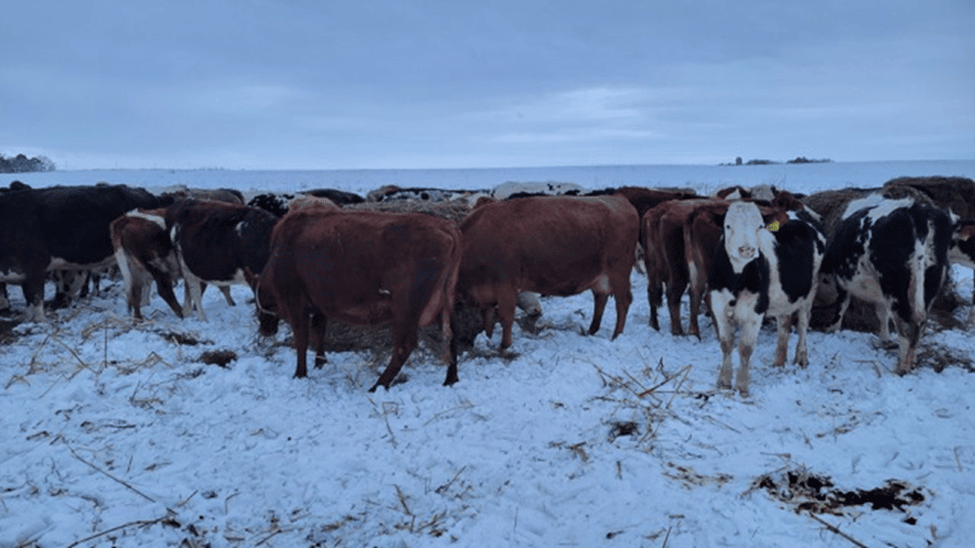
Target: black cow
point(60, 228)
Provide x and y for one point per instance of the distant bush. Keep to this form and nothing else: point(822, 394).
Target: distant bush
point(804, 160)
point(23, 164)
point(798, 160)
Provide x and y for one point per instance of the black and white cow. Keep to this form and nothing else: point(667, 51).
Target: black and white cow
point(60, 228)
point(760, 269)
point(216, 243)
point(894, 254)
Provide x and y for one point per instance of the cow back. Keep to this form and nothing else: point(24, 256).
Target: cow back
point(526, 241)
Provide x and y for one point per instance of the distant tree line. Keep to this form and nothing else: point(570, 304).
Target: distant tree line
point(797, 160)
point(23, 164)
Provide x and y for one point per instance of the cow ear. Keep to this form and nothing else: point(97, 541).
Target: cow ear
point(773, 226)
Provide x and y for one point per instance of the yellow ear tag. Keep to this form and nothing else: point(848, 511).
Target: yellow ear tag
point(773, 226)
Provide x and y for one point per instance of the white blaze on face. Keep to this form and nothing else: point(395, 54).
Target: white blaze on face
point(742, 224)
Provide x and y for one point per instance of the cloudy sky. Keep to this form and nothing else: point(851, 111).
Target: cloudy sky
point(321, 84)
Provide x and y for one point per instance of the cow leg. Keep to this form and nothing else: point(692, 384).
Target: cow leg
point(164, 286)
point(724, 322)
point(134, 294)
point(883, 316)
point(506, 311)
point(599, 305)
point(447, 329)
point(487, 315)
point(802, 352)
point(404, 341)
point(842, 303)
point(750, 327)
point(654, 289)
point(299, 330)
point(623, 297)
point(319, 325)
point(33, 287)
point(784, 324)
point(675, 290)
point(194, 295)
point(225, 289)
point(696, 289)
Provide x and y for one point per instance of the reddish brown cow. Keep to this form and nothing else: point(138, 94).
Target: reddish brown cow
point(663, 239)
point(553, 245)
point(144, 253)
point(364, 268)
point(644, 199)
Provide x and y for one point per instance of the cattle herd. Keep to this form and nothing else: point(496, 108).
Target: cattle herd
point(332, 255)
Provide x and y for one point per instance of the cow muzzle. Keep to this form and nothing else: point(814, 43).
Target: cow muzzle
point(746, 252)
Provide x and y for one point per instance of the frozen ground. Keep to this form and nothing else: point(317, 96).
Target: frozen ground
point(119, 434)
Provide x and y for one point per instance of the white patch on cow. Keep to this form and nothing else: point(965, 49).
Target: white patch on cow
point(154, 218)
point(742, 227)
point(880, 206)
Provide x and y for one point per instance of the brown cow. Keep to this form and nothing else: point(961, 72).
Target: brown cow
point(665, 262)
point(553, 245)
point(144, 253)
point(364, 268)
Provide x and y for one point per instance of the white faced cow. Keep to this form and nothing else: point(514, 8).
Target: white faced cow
point(758, 270)
point(893, 253)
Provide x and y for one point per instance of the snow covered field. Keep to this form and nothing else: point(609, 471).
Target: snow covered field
point(119, 434)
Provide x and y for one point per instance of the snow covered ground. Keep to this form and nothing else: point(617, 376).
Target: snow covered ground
point(118, 434)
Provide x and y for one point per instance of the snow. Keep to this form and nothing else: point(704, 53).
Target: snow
point(116, 434)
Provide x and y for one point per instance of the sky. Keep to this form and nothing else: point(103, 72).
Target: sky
point(376, 84)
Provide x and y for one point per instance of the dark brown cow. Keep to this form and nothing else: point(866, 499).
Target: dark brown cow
point(217, 243)
point(226, 195)
point(643, 199)
point(553, 245)
point(664, 258)
point(364, 268)
point(144, 253)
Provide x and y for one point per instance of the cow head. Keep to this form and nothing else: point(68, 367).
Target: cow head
point(743, 224)
point(267, 315)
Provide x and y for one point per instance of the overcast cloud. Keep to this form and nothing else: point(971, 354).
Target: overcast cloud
point(294, 84)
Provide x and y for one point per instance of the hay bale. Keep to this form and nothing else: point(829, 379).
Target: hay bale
point(954, 193)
